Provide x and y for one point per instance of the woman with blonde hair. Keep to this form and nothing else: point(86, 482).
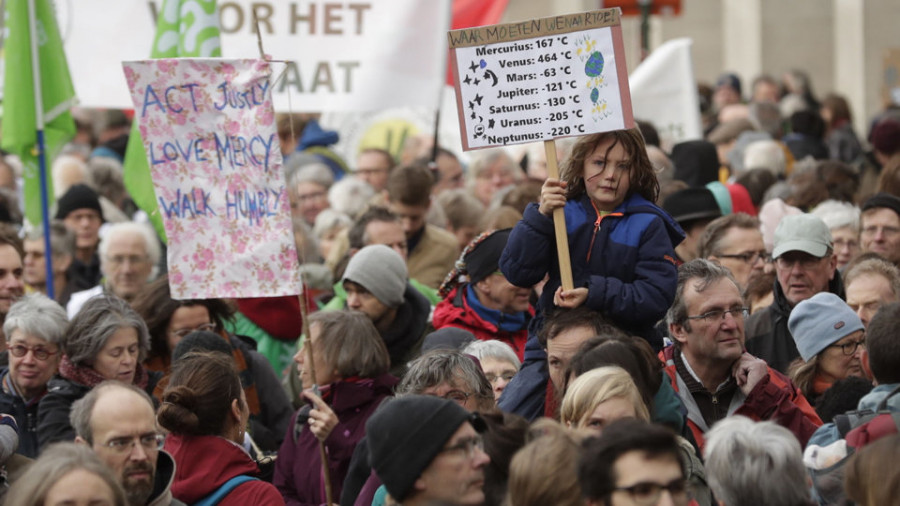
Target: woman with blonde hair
point(66, 473)
point(532, 482)
point(601, 396)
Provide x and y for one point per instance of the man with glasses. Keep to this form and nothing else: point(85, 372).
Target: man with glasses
point(880, 227)
point(34, 327)
point(735, 242)
point(804, 266)
point(708, 366)
point(632, 463)
point(129, 253)
point(428, 450)
point(118, 423)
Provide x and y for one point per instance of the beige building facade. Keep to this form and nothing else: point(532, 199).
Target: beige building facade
point(841, 44)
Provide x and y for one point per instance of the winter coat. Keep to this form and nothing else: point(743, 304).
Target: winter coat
point(298, 470)
point(407, 332)
point(774, 398)
point(205, 463)
point(829, 433)
point(456, 311)
point(26, 416)
point(433, 257)
point(768, 336)
point(626, 260)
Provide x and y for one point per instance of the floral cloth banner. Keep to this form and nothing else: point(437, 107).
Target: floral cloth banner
point(208, 128)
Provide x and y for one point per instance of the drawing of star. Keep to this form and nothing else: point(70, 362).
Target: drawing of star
point(477, 81)
point(473, 115)
point(473, 67)
point(471, 105)
point(478, 98)
point(467, 80)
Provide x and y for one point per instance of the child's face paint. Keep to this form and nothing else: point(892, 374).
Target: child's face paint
point(607, 175)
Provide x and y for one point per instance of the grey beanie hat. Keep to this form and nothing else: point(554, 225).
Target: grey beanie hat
point(820, 321)
point(380, 270)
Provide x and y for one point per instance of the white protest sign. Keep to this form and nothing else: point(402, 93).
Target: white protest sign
point(356, 56)
point(541, 79)
point(208, 128)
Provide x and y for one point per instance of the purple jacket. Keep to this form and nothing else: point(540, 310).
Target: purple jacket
point(298, 469)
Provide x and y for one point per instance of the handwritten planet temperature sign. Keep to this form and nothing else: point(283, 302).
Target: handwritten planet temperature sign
point(208, 128)
point(541, 79)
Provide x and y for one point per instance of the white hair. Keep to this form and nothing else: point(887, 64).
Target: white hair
point(765, 154)
point(151, 243)
point(497, 350)
point(837, 214)
point(328, 219)
point(750, 463)
point(350, 196)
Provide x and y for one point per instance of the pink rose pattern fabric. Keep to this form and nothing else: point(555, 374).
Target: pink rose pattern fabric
point(208, 127)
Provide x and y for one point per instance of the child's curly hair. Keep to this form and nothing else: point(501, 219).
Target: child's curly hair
point(642, 177)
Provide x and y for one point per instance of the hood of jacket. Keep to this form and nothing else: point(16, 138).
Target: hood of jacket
point(408, 326)
point(162, 481)
point(205, 463)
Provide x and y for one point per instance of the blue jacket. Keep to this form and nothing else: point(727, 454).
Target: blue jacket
point(626, 260)
point(26, 416)
point(828, 433)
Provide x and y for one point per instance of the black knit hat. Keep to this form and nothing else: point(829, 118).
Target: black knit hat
point(200, 340)
point(883, 200)
point(407, 433)
point(79, 196)
point(484, 259)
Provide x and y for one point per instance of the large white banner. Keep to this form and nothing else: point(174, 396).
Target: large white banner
point(347, 56)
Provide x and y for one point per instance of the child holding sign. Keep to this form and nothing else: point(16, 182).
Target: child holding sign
point(621, 244)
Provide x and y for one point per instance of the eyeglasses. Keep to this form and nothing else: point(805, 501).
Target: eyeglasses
point(467, 446)
point(40, 353)
point(506, 376)
point(457, 396)
point(850, 348)
point(647, 493)
point(117, 260)
point(717, 315)
point(122, 445)
point(749, 257)
point(182, 333)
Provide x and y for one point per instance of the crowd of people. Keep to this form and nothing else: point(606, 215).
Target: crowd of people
point(729, 337)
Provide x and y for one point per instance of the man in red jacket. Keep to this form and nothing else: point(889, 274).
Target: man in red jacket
point(708, 366)
point(488, 306)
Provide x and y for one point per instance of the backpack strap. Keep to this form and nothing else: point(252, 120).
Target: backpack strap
point(224, 490)
point(882, 406)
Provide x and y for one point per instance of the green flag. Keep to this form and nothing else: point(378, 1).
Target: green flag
point(185, 28)
point(19, 133)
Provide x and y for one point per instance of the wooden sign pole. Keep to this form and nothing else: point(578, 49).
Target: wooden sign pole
point(559, 222)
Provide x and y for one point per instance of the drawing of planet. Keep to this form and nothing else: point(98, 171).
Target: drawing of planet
point(484, 64)
point(594, 65)
point(595, 94)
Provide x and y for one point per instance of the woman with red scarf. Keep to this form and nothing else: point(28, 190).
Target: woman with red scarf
point(351, 366)
point(106, 340)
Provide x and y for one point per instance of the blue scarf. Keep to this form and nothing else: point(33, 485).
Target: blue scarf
point(504, 321)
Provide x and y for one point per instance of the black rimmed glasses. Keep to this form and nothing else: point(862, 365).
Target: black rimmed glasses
point(718, 315)
point(851, 347)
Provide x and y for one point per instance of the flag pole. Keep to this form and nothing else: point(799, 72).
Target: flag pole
point(41, 144)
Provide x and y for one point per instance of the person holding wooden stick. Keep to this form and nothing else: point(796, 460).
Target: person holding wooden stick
point(621, 244)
